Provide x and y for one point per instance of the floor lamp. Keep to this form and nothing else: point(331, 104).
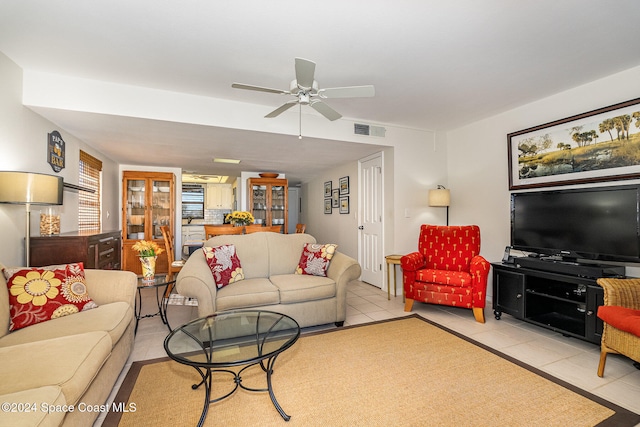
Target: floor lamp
point(26, 188)
point(440, 197)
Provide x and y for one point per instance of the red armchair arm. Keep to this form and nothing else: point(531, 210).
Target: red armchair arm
point(479, 270)
point(413, 261)
point(410, 264)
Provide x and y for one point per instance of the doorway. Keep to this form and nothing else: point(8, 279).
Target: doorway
point(371, 219)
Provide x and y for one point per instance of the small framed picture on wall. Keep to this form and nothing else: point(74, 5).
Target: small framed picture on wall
point(327, 206)
point(344, 204)
point(335, 195)
point(343, 185)
point(327, 189)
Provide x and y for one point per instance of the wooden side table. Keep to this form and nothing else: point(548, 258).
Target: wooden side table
point(395, 260)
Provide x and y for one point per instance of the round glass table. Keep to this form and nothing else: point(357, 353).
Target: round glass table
point(233, 338)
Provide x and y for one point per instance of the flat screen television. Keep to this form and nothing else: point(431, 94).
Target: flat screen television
point(588, 223)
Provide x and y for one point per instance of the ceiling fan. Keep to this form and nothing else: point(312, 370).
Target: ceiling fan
point(305, 90)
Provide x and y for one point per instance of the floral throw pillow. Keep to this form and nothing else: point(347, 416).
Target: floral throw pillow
point(39, 294)
point(224, 264)
point(315, 259)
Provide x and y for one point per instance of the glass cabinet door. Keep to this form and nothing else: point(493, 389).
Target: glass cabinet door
point(136, 205)
point(277, 205)
point(160, 207)
point(259, 197)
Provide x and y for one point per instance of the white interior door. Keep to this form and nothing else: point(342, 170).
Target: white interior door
point(371, 220)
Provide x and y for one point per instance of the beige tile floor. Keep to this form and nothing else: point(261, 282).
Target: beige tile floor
point(569, 359)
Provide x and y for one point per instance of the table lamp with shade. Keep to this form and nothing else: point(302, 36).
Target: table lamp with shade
point(440, 197)
point(27, 188)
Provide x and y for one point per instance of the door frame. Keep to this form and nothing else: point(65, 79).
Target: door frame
point(380, 155)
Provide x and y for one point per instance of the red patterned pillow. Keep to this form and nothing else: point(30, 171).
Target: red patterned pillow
point(315, 259)
point(224, 264)
point(39, 294)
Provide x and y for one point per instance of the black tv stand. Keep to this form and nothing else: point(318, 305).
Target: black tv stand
point(570, 267)
point(565, 303)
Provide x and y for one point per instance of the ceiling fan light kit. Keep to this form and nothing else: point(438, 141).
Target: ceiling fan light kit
point(306, 91)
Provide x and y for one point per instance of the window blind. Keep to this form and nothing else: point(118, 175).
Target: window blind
point(89, 203)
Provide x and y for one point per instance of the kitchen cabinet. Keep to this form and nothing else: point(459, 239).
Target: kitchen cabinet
point(219, 196)
point(192, 239)
point(268, 201)
point(148, 202)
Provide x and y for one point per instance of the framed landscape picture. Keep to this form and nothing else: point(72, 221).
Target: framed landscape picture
point(600, 145)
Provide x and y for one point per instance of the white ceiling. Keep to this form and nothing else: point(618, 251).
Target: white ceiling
point(435, 64)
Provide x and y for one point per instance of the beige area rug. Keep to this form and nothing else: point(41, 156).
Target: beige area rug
point(401, 372)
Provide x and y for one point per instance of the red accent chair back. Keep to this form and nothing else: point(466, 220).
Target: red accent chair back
point(447, 269)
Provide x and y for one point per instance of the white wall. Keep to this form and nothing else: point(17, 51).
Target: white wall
point(414, 162)
point(23, 143)
point(477, 154)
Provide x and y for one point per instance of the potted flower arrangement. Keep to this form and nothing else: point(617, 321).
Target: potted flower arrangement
point(240, 218)
point(148, 251)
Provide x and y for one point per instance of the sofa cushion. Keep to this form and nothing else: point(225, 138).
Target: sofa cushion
point(224, 264)
point(39, 400)
point(315, 259)
point(444, 277)
point(284, 251)
point(252, 250)
point(39, 294)
point(247, 293)
point(112, 318)
point(623, 318)
point(298, 288)
point(70, 362)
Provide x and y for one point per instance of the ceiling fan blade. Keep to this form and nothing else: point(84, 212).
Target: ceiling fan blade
point(281, 109)
point(305, 71)
point(325, 110)
point(259, 88)
point(348, 92)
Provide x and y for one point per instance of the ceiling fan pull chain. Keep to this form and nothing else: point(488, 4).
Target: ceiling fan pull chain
point(300, 122)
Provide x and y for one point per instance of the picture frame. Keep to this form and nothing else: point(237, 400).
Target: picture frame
point(599, 145)
point(327, 206)
point(335, 195)
point(327, 188)
point(344, 204)
point(343, 185)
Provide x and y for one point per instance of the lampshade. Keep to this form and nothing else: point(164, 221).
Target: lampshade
point(30, 188)
point(439, 197)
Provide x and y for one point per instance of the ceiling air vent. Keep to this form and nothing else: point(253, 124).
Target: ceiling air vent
point(362, 129)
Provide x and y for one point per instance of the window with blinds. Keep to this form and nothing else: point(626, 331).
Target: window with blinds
point(89, 203)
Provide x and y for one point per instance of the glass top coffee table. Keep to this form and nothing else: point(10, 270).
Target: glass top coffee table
point(234, 338)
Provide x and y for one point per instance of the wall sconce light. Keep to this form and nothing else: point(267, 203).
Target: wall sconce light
point(26, 188)
point(440, 197)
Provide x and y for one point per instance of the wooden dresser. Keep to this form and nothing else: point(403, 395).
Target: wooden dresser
point(101, 250)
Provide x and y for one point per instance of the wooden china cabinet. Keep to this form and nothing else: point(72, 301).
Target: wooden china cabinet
point(148, 202)
point(268, 201)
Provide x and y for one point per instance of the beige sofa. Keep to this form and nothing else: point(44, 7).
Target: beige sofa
point(69, 362)
point(269, 261)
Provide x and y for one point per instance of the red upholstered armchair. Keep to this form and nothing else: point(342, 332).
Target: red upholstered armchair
point(447, 269)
